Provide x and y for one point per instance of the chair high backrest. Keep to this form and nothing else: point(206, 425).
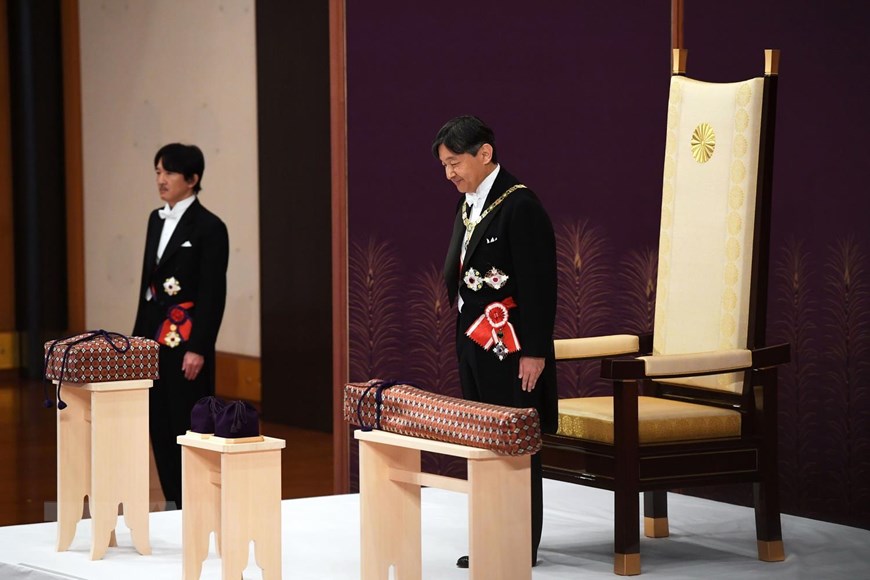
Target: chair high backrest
point(708, 222)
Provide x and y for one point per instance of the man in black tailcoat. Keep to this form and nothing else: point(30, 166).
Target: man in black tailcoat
point(501, 266)
point(181, 303)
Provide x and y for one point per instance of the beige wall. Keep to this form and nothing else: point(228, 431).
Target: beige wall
point(154, 72)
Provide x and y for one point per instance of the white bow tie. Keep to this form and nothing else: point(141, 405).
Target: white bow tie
point(168, 212)
point(472, 198)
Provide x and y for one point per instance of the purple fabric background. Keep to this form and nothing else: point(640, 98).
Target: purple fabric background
point(577, 95)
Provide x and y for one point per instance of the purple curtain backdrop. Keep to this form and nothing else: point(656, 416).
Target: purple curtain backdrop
point(577, 94)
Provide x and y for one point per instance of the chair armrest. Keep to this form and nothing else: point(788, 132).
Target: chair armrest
point(694, 364)
point(770, 356)
point(717, 361)
point(596, 346)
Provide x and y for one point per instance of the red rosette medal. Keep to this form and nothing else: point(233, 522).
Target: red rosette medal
point(492, 330)
point(176, 328)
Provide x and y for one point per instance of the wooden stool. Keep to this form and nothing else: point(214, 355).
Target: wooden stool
point(234, 490)
point(499, 507)
point(102, 453)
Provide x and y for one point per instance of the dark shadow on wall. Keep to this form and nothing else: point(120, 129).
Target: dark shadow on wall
point(295, 214)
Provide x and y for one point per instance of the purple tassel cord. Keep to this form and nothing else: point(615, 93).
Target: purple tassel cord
point(214, 406)
point(240, 416)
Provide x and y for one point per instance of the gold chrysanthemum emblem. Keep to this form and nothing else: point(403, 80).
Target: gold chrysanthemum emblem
point(703, 142)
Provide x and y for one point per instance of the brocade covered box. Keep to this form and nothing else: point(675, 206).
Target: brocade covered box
point(407, 410)
point(101, 357)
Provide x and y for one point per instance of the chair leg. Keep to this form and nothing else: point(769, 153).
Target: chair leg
point(626, 534)
point(767, 523)
point(626, 557)
point(626, 544)
point(626, 540)
point(655, 512)
point(626, 564)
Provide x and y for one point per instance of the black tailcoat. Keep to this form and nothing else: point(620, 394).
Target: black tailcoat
point(517, 238)
point(196, 256)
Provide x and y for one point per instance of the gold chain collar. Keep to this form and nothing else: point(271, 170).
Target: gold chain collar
point(471, 224)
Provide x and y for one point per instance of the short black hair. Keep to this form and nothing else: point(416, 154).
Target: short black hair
point(184, 159)
point(465, 134)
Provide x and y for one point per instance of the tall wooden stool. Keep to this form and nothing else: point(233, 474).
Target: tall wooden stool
point(102, 453)
point(234, 490)
point(499, 507)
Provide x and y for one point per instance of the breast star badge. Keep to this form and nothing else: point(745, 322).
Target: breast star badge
point(495, 278)
point(171, 286)
point(473, 280)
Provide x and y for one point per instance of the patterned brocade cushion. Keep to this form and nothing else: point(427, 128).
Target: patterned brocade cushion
point(407, 410)
point(96, 361)
point(660, 420)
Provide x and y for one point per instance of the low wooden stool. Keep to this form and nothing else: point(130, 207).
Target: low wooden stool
point(499, 507)
point(102, 453)
point(234, 490)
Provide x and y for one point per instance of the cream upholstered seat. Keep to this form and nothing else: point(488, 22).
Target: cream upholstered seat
point(706, 412)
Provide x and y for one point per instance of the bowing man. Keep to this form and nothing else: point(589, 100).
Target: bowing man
point(181, 303)
point(501, 268)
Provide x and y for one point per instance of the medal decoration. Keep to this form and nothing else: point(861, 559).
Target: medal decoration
point(171, 286)
point(172, 339)
point(495, 278)
point(177, 326)
point(492, 330)
point(473, 280)
point(471, 224)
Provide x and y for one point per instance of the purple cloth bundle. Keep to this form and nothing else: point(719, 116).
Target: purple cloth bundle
point(236, 420)
point(203, 414)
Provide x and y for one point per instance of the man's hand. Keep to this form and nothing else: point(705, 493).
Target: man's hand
point(193, 362)
point(531, 368)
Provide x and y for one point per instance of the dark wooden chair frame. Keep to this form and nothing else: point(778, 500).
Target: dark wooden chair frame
point(628, 468)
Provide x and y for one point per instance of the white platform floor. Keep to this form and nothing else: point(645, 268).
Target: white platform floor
point(708, 540)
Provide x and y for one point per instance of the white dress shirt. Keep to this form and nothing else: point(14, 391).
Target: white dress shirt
point(476, 201)
point(170, 216)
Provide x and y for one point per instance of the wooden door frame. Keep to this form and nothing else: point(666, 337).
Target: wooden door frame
point(338, 144)
point(73, 164)
point(7, 244)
